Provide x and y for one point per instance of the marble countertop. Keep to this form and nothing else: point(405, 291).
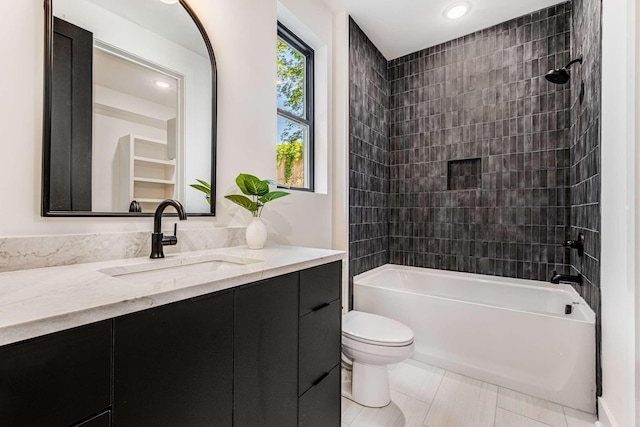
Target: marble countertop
point(45, 300)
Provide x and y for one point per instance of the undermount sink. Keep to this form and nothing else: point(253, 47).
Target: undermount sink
point(170, 269)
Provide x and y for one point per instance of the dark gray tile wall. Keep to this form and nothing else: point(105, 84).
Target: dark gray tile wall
point(483, 96)
point(585, 143)
point(464, 174)
point(368, 154)
point(585, 151)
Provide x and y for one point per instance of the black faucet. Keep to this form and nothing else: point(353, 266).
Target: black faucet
point(566, 278)
point(157, 238)
point(576, 244)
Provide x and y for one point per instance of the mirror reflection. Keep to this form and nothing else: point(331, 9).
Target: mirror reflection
point(131, 108)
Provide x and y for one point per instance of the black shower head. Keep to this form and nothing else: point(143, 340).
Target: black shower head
point(561, 76)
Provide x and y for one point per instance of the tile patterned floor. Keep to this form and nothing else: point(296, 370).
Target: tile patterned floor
point(425, 396)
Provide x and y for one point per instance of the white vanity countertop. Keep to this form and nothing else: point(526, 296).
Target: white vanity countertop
point(45, 300)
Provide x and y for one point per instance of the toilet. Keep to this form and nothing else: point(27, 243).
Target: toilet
point(369, 344)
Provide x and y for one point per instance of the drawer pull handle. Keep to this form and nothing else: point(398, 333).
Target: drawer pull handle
point(319, 380)
point(321, 306)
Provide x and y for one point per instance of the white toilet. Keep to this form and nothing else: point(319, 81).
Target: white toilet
point(370, 343)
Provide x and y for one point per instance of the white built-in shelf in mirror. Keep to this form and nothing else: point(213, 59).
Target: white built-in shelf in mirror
point(147, 172)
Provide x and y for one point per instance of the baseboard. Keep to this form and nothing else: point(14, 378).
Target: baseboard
point(605, 418)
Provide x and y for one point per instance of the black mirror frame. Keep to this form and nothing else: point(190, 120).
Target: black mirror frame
point(46, 123)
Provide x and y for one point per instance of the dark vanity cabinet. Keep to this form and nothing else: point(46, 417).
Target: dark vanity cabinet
point(173, 364)
point(263, 354)
point(61, 379)
point(287, 350)
point(320, 332)
point(101, 420)
point(266, 353)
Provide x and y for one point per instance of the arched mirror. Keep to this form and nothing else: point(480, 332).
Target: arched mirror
point(130, 108)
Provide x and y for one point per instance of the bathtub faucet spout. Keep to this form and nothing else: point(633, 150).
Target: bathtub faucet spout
point(566, 278)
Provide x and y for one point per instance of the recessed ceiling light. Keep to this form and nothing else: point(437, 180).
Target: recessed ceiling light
point(457, 10)
point(162, 84)
point(170, 1)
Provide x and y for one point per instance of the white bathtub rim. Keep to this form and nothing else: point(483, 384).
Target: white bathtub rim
point(477, 276)
point(528, 312)
point(590, 317)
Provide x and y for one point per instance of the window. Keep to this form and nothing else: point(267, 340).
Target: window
point(294, 145)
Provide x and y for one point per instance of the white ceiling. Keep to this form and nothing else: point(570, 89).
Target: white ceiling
point(128, 77)
point(400, 27)
point(171, 21)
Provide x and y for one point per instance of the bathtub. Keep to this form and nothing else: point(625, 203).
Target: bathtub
point(510, 332)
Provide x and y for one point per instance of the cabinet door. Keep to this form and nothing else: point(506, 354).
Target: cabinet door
point(320, 405)
point(266, 353)
point(173, 365)
point(58, 379)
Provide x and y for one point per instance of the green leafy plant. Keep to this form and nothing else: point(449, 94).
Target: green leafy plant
point(289, 152)
point(205, 187)
point(258, 192)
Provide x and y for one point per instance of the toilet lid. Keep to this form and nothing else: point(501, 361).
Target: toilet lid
point(377, 330)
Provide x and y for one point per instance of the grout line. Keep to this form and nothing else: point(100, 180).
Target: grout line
point(435, 396)
point(528, 395)
point(533, 419)
point(566, 419)
point(495, 412)
point(411, 397)
point(565, 415)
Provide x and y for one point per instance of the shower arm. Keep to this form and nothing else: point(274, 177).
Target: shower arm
point(579, 59)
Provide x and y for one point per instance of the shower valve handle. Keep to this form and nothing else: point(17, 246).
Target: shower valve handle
point(576, 244)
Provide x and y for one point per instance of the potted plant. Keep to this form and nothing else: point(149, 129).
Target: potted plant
point(259, 195)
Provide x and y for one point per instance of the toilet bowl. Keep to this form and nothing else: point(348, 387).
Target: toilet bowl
point(371, 343)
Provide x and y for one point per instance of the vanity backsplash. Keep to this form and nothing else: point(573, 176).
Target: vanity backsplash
point(22, 253)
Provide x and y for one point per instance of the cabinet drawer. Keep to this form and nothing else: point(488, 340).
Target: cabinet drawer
point(320, 406)
point(319, 285)
point(58, 379)
point(320, 341)
point(102, 420)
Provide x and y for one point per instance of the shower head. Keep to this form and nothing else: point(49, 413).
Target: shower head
point(561, 76)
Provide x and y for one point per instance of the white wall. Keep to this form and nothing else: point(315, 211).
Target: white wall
point(637, 234)
point(243, 34)
point(617, 406)
point(341, 143)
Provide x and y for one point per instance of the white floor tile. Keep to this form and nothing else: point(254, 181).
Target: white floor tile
point(577, 418)
point(463, 402)
point(403, 411)
point(350, 410)
point(457, 401)
point(506, 418)
point(531, 407)
point(416, 380)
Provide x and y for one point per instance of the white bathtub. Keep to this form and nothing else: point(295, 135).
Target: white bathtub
point(509, 332)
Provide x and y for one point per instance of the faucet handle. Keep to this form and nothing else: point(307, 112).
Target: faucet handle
point(171, 240)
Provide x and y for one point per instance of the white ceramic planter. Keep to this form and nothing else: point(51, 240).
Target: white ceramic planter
point(256, 234)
